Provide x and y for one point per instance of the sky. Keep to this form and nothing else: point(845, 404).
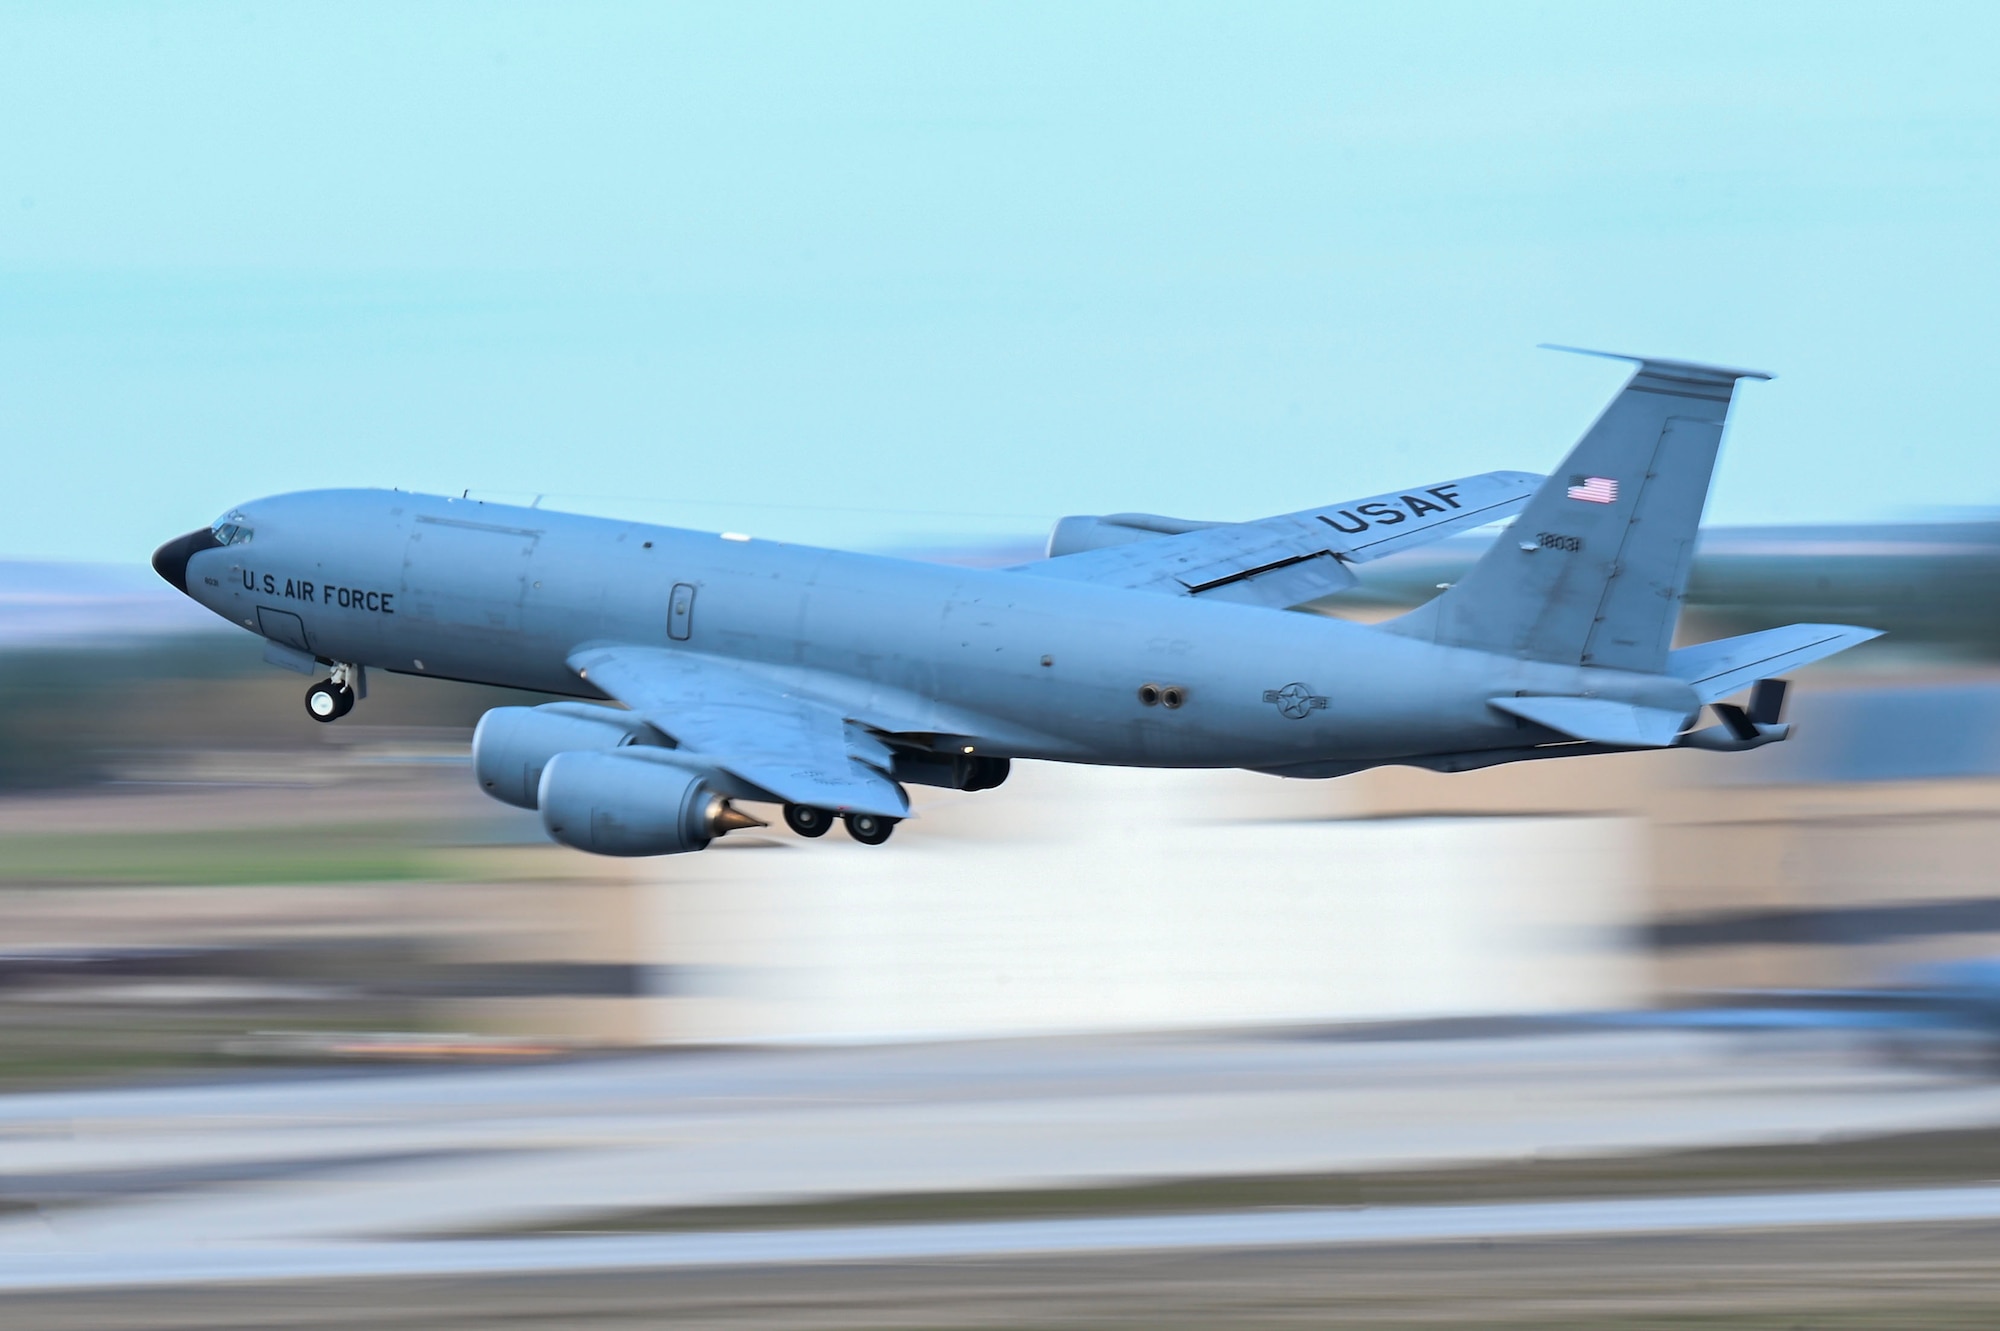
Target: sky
point(888, 276)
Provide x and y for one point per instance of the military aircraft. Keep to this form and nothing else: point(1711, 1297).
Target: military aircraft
point(757, 671)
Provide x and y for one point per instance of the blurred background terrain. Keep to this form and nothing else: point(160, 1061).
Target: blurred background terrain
point(298, 1026)
point(196, 874)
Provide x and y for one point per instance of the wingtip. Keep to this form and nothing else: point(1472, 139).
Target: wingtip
point(1702, 367)
point(1859, 633)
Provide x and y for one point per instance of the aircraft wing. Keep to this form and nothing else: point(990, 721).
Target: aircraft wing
point(800, 750)
point(1295, 557)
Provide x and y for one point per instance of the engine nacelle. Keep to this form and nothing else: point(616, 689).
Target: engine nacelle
point(513, 745)
point(625, 804)
point(1073, 535)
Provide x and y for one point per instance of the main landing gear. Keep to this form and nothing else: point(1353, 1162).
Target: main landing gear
point(870, 829)
point(806, 820)
point(334, 697)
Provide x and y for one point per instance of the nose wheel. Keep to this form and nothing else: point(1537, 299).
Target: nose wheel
point(870, 829)
point(334, 696)
point(328, 701)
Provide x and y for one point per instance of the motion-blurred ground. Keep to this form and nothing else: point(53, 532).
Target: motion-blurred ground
point(268, 982)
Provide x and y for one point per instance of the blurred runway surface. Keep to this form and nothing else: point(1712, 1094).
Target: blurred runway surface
point(234, 1169)
point(173, 1265)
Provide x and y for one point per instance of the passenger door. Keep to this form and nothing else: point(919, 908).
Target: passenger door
point(680, 612)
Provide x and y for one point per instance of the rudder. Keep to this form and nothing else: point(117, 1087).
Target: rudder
point(1594, 570)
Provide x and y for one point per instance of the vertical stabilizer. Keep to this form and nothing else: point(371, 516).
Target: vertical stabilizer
point(1594, 570)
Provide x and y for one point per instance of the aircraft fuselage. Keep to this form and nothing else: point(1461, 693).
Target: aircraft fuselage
point(1016, 665)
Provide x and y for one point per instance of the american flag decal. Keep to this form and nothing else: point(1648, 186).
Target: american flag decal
point(1593, 489)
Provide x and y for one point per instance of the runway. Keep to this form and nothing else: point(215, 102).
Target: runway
point(1320, 1228)
point(398, 1175)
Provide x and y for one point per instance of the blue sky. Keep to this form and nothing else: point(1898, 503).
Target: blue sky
point(877, 275)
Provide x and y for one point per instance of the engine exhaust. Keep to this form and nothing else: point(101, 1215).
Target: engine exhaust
point(722, 816)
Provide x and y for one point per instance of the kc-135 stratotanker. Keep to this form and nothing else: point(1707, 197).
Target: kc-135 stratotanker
point(757, 671)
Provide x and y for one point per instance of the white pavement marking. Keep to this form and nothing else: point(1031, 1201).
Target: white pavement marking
point(1007, 1238)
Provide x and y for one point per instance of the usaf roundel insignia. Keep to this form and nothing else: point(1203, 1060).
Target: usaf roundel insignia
point(1296, 700)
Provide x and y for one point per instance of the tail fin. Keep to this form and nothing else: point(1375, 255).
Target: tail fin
point(1594, 570)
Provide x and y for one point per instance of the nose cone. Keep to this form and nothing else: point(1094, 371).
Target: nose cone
point(170, 561)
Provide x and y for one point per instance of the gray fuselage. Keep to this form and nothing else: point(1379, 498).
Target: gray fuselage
point(1019, 665)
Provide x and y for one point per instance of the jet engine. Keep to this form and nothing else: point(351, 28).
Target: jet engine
point(513, 745)
point(626, 804)
point(1073, 535)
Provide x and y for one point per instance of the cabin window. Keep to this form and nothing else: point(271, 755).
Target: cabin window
point(232, 531)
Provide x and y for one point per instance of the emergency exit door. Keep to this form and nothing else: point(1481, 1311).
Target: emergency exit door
point(680, 612)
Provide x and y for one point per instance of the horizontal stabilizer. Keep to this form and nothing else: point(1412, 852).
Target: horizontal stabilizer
point(1600, 720)
point(1729, 665)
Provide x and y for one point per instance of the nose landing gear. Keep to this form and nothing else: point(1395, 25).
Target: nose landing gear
point(327, 701)
point(334, 697)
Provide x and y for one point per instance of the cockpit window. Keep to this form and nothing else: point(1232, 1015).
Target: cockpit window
point(232, 530)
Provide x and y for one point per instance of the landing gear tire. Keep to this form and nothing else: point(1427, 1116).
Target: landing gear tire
point(327, 701)
point(806, 820)
point(870, 829)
